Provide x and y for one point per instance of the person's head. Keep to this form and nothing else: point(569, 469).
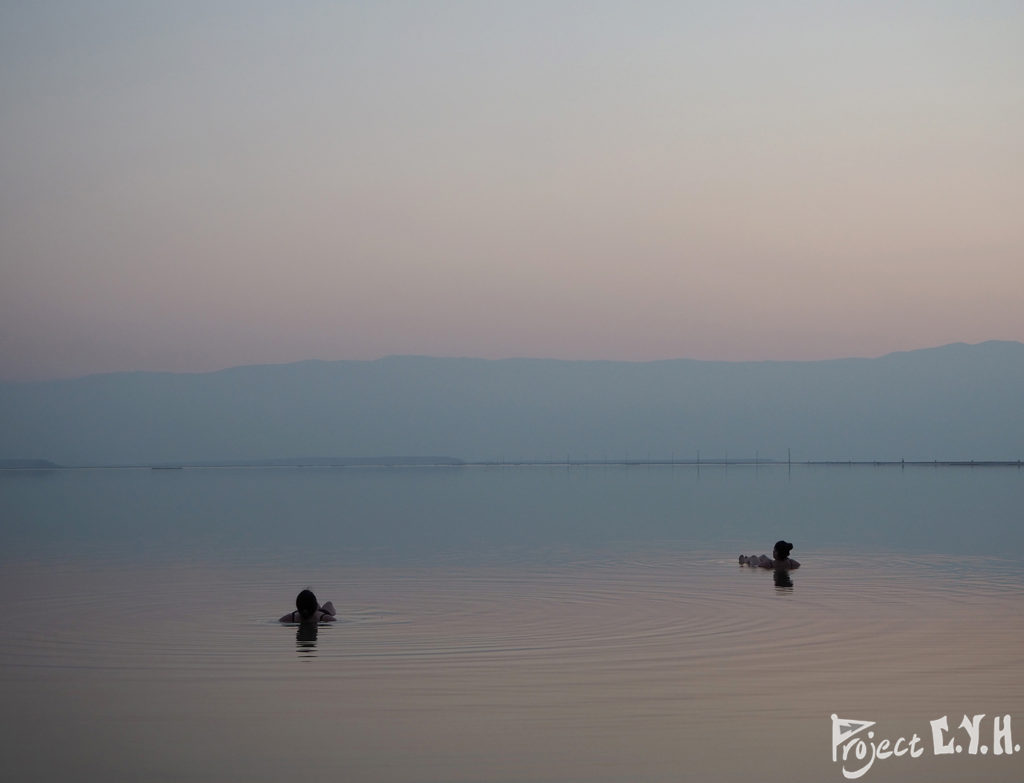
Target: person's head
point(306, 604)
point(782, 550)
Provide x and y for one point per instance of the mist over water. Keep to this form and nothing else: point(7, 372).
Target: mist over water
point(495, 624)
point(490, 514)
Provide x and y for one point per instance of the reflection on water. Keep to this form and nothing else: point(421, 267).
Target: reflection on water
point(783, 581)
point(630, 664)
point(394, 515)
point(305, 639)
point(615, 647)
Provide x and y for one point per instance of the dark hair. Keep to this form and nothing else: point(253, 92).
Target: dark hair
point(306, 603)
point(782, 549)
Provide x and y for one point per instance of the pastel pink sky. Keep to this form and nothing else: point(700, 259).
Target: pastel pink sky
point(190, 186)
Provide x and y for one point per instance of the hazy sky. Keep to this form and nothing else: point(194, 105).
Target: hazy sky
point(194, 185)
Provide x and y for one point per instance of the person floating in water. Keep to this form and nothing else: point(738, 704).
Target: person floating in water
point(308, 610)
point(780, 559)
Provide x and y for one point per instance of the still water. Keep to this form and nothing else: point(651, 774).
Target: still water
point(508, 624)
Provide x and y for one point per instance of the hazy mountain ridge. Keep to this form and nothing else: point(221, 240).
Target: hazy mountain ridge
point(953, 402)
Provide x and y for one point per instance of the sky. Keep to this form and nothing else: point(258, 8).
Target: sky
point(189, 186)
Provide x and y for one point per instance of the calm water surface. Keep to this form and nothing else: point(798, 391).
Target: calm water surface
point(505, 624)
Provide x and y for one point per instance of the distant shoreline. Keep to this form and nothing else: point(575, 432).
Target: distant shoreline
point(452, 462)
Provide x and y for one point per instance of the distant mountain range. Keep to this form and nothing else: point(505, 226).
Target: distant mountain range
point(949, 403)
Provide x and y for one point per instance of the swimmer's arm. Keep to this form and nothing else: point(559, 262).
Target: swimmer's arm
point(288, 618)
point(793, 563)
point(328, 608)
